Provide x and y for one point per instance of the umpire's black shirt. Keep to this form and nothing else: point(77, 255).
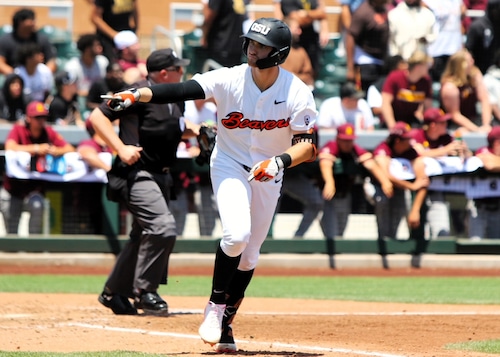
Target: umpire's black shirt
point(154, 127)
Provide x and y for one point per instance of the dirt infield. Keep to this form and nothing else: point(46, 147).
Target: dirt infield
point(264, 327)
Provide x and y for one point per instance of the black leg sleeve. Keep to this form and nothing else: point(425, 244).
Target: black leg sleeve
point(224, 270)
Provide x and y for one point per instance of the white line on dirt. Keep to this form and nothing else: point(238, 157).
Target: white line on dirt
point(274, 344)
point(359, 313)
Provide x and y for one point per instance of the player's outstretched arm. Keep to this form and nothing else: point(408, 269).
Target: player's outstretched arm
point(158, 94)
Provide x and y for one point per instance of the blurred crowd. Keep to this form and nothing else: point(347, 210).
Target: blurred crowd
point(422, 70)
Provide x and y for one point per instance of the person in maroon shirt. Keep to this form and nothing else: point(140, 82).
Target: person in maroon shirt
point(39, 140)
point(407, 93)
point(462, 89)
point(338, 180)
point(89, 149)
point(484, 213)
point(390, 210)
point(89, 194)
point(433, 140)
point(472, 5)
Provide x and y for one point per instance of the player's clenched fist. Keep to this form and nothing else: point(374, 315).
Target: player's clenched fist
point(267, 169)
point(122, 100)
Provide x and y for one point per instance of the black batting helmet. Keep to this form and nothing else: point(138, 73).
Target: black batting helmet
point(270, 32)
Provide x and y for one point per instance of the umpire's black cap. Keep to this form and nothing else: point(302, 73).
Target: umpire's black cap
point(164, 58)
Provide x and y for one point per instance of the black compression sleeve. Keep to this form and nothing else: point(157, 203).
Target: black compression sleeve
point(176, 92)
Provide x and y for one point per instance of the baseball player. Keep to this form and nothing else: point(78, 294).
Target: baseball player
point(265, 121)
point(484, 213)
point(338, 184)
point(433, 140)
point(390, 210)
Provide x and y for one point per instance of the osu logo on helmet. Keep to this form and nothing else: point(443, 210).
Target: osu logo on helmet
point(260, 28)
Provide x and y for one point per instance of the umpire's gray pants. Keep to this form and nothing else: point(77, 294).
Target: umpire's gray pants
point(143, 262)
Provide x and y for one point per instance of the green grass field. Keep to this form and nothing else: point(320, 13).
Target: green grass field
point(423, 290)
point(427, 290)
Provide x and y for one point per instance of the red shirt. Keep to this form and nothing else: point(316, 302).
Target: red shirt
point(484, 150)
point(420, 136)
point(407, 96)
point(332, 148)
point(21, 135)
point(127, 64)
point(385, 150)
point(92, 143)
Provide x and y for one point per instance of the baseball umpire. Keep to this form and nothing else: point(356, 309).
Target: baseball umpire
point(264, 125)
point(140, 177)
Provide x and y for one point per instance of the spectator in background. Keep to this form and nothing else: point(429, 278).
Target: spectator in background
point(128, 46)
point(412, 28)
point(350, 107)
point(374, 93)
point(298, 61)
point(366, 43)
point(462, 90)
point(24, 31)
point(89, 150)
point(201, 111)
point(38, 139)
point(222, 30)
point(64, 108)
point(433, 140)
point(484, 213)
point(347, 8)
point(472, 5)
point(449, 37)
point(340, 160)
point(38, 78)
point(13, 100)
point(112, 82)
point(483, 36)
point(302, 183)
point(110, 17)
point(407, 93)
point(90, 66)
point(390, 210)
point(312, 38)
point(492, 83)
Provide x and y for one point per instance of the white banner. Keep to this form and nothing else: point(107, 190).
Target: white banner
point(451, 174)
point(69, 167)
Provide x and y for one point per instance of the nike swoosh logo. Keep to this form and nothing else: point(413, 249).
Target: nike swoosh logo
point(277, 180)
point(276, 102)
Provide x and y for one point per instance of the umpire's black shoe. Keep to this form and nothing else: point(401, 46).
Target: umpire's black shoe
point(151, 303)
point(119, 304)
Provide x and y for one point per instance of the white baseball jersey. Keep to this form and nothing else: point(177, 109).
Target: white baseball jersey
point(252, 125)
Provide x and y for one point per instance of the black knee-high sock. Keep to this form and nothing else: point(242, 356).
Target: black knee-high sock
point(235, 293)
point(224, 270)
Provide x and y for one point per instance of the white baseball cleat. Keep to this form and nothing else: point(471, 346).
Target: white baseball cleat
point(226, 343)
point(210, 330)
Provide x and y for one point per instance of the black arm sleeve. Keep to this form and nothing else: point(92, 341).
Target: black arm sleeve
point(176, 92)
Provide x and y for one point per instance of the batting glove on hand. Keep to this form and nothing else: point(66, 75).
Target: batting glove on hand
point(122, 100)
point(266, 170)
